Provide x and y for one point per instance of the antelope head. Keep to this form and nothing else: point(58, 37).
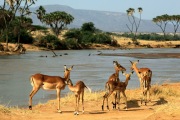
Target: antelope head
point(128, 76)
point(67, 72)
point(133, 64)
point(118, 67)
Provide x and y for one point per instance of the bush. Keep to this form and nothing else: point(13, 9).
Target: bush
point(25, 37)
point(50, 42)
point(72, 43)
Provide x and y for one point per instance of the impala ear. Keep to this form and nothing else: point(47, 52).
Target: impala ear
point(65, 67)
point(124, 73)
point(72, 67)
point(115, 63)
point(131, 62)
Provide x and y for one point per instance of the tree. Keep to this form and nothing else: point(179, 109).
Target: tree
point(57, 20)
point(9, 9)
point(175, 20)
point(88, 27)
point(133, 22)
point(162, 22)
point(40, 13)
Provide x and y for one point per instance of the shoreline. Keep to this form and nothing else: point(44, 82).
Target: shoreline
point(124, 43)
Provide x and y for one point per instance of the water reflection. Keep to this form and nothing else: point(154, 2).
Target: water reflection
point(94, 70)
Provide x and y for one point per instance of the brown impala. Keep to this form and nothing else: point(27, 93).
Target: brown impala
point(49, 83)
point(144, 75)
point(78, 90)
point(119, 87)
point(115, 77)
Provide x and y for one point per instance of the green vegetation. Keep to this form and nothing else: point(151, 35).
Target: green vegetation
point(76, 38)
point(152, 36)
point(56, 20)
point(18, 29)
point(163, 20)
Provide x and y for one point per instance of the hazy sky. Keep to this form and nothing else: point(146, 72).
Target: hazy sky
point(151, 8)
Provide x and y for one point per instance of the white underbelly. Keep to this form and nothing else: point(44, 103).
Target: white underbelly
point(47, 86)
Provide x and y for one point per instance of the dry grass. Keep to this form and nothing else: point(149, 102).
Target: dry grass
point(165, 98)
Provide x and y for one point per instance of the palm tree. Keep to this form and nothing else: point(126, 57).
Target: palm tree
point(133, 22)
point(130, 12)
point(40, 13)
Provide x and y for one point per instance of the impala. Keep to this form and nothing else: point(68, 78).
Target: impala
point(119, 87)
point(144, 75)
point(115, 77)
point(78, 89)
point(49, 83)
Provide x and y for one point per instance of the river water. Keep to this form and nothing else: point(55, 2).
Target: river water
point(94, 70)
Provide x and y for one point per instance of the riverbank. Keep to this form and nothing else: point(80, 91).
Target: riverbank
point(165, 105)
point(125, 43)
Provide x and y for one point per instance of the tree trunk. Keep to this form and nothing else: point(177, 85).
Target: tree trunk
point(7, 49)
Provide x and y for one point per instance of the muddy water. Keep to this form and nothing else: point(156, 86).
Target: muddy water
point(94, 70)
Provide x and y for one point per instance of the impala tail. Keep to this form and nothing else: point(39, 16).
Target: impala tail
point(89, 89)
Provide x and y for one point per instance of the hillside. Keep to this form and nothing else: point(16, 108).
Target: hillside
point(103, 20)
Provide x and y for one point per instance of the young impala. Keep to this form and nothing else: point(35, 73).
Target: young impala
point(144, 75)
point(49, 83)
point(119, 87)
point(115, 77)
point(78, 89)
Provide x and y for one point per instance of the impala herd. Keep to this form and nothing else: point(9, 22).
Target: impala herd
point(113, 86)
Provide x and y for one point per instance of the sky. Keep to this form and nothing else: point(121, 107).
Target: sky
point(151, 8)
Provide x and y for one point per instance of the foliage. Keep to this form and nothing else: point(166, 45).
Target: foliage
point(86, 35)
point(57, 20)
point(25, 37)
point(52, 42)
point(88, 27)
point(133, 22)
point(38, 27)
point(152, 36)
point(9, 10)
point(163, 20)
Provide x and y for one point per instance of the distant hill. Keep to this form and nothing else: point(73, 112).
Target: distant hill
point(103, 20)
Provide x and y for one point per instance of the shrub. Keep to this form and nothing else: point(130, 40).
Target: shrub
point(50, 42)
point(25, 37)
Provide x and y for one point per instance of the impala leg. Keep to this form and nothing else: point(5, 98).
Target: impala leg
point(125, 99)
point(118, 100)
point(107, 103)
point(78, 104)
point(83, 101)
point(58, 100)
point(148, 93)
point(142, 93)
point(115, 100)
point(104, 97)
point(33, 92)
point(75, 112)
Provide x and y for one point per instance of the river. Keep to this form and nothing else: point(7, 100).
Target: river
point(94, 70)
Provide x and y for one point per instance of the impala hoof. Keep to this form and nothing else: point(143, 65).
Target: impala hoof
point(76, 113)
point(30, 107)
point(59, 111)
